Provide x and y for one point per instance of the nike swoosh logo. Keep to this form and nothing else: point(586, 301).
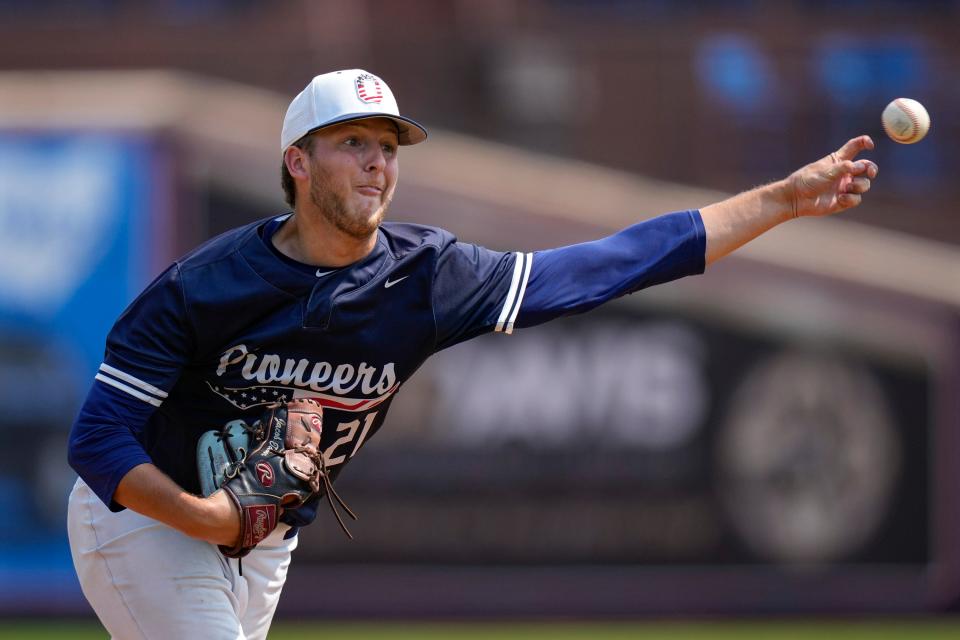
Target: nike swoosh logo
point(389, 283)
point(320, 274)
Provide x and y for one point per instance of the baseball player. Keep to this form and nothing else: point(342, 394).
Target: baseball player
point(331, 306)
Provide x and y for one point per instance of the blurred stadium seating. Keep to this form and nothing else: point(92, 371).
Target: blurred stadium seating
point(775, 437)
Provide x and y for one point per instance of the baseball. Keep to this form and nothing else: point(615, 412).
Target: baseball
point(906, 121)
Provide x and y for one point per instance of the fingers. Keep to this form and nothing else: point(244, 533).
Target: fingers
point(858, 185)
point(860, 167)
point(864, 166)
point(854, 146)
point(845, 167)
point(847, 200)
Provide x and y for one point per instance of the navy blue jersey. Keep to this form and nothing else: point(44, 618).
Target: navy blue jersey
point(235, 326)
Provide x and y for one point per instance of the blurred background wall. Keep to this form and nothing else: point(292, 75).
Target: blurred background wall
point(776, 436)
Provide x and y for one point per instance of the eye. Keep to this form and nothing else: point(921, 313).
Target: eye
point(389, 148)
point(352, 141)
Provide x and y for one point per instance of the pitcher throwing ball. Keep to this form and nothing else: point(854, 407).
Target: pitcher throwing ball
point(195, 482)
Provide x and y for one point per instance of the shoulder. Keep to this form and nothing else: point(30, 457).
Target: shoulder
point(225, 246)
point(404, 238)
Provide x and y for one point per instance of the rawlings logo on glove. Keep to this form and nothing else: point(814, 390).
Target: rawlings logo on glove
point(265, 474)
point(274, 464)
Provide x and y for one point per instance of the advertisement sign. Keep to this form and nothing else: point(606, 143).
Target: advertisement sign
point(80, 231)
point(627, 449)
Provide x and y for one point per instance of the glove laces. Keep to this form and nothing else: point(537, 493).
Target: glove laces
point(320, 474)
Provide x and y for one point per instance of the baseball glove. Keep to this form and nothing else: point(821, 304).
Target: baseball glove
point(272, 465)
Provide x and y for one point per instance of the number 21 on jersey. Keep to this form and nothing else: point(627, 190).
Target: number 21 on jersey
point(349, 431)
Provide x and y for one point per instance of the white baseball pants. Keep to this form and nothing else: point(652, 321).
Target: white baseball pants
point(147, 580)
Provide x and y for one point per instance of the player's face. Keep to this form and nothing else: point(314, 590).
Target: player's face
point(353, 173)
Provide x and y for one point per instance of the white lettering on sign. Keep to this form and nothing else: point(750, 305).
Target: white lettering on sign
point(58, 209)
point(636, 385)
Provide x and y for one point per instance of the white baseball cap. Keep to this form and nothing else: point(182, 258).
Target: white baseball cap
point(341, 96)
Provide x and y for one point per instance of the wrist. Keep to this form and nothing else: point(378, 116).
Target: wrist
point(214, 519)
point(779, 199)
point(224, 519)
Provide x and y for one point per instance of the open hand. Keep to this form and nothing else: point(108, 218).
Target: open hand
point(833, 183)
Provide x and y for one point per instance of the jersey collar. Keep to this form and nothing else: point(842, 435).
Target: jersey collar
point(320, 295)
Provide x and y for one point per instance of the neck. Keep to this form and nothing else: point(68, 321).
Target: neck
point(310, 238)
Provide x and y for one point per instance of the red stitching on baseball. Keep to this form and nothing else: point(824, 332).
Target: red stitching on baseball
point(913, 118)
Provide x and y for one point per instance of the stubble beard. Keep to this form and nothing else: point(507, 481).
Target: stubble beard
point(333, 207)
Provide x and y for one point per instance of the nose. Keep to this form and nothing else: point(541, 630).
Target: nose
point(375, 160)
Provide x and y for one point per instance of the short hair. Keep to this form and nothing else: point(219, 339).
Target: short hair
point(286, 180)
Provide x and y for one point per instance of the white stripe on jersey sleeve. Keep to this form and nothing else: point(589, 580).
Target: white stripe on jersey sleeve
point(523, 289)
point(511, 294)
point(119, 385)
point(126, 377)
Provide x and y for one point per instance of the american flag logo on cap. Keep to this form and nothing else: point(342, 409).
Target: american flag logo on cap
point(368, 88)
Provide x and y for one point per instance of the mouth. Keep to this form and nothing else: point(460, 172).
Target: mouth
point(370, 190)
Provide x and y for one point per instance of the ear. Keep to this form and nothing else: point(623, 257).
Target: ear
point(297, 162)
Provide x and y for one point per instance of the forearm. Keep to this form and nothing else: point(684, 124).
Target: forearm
point(736, 221)
point(149, 491)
